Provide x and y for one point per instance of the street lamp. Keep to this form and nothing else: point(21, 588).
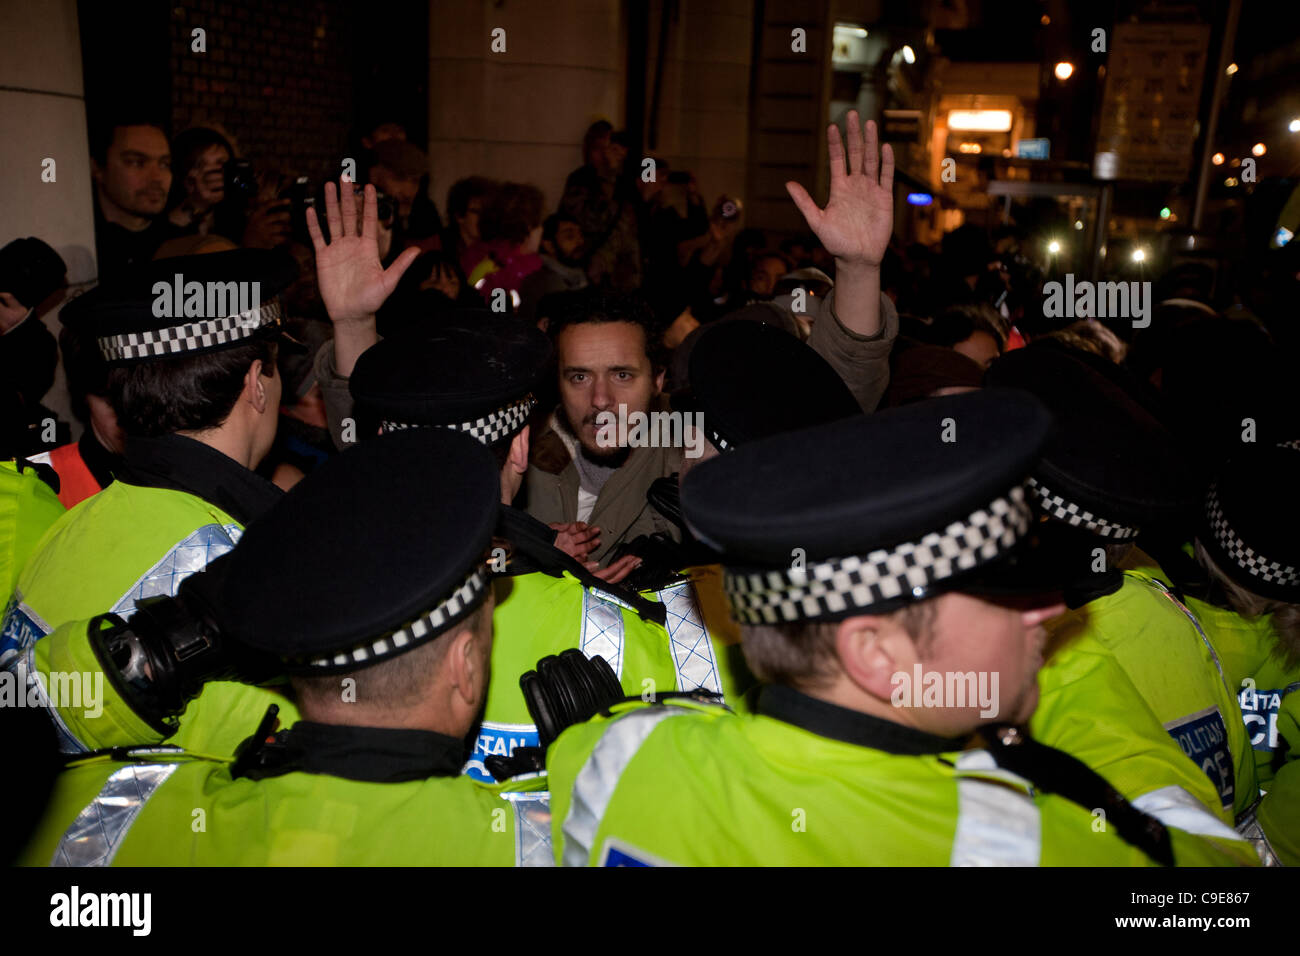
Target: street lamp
point(1064, 70)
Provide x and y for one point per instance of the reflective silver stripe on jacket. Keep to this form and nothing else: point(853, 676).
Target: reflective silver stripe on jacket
point(69, 743)
point(184, 558)
point(1175, 807)
point(22, 627)
point(532, 828)
point(97, 834)
point(693, 655)
point(1252, 832)
point(595, 783)
point(602, 630)
point(996, 825)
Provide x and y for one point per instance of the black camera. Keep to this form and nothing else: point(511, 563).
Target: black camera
point(159, 660)
point(301, 198)
point(241, 181)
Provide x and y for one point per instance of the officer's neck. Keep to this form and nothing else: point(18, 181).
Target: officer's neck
point(843, 692)
point(430, 714)
point(230, 440)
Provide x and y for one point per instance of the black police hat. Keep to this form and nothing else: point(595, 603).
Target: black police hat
point(751, 381)
point(872, 512)
point(473, 373)
point(374, 553)
point(1110, 466)
point(187, 305)
point(1250, 524)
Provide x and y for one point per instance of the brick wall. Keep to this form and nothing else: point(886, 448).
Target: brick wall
point(278, 77)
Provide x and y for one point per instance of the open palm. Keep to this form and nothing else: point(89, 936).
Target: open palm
point(856, 224)
point(353, 282)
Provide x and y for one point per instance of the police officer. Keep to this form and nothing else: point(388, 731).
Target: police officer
point(192, 344)
point(855, 755)
point(1244, 588)
point(195, 387)
point(476, 374)
point(743, 380)
point(29, 504)
point(381, 613)
point(1110, 470)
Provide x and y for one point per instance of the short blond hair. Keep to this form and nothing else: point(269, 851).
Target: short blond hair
point(802, 654)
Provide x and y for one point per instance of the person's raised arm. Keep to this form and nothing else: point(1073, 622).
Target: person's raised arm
point(353, 283)
point(856, 224)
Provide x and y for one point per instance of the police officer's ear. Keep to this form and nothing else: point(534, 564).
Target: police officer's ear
point(873, 648)
point(255, 386)
point(468, 656)
point(519, 451)
point(464, 665)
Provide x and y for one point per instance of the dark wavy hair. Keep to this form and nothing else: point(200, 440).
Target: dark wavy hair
point(595, 305)
point(512, 212)
point(187, 147)
point(191, 393)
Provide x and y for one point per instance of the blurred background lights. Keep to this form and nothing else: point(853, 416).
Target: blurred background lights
point(1064, 70)
point(985, 121)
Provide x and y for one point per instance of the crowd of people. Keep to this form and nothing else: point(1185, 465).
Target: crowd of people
point(410, 560)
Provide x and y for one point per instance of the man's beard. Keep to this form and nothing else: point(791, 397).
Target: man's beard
point(573, 262)
point(606, 458)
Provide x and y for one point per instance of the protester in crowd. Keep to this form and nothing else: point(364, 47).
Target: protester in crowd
point(465, 201)
point(131, 168)
point(610, 361)
point(564, 255)
point(396, 169)
point(511, 234)
point(605, 207)
point(421, 222)
point(974, 329)
point(199, 156)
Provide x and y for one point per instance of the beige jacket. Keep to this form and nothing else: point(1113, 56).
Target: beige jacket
point(621, 510)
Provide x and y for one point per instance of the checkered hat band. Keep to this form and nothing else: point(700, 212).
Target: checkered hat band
point(718, 441)
point(1062, 509)
point(489, 429)
point(423, 628)
point(1244, 556)
point(193, 337)
point(860, 582)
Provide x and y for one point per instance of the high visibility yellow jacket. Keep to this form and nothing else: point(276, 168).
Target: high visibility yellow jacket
point(120, 546)
point(686, 783)
point(167, 808)
point(1166, 656)
point(538, 615)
